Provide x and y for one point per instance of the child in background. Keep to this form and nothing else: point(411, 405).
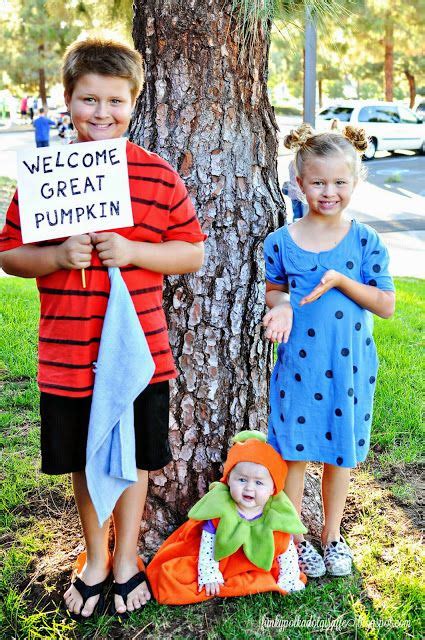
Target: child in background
point(65, 130)
point(293, 191)
point(102, 80)
point(42, 126)
point(237, 540)
point(322, 387)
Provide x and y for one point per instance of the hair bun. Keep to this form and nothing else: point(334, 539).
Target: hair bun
point(297, 138)
point(357, 137)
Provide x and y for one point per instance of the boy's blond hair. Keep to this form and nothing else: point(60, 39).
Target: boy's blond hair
point(105, 58)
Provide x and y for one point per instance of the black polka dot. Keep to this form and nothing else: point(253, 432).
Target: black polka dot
point(282, 393)
point(328, 435)
point(355, 400)
point(301, 419)
point(372, 283)
point(311, 333)
point(297, 377)
point(364, 242)
point(275, 248)
point(372, 379)
point(282, 417)
point(376, 268)
point(314, 268)
point(339, 460)
point(271, 261)
point(368, 341)
point(302, 353)
point(350, 392)
point(349, 264)
point(338, 412)
point(299, 447)
point(345, 351)
point(354, 368)
point(361, 442)
point(293, 284)
point(367, 417)
point(329, 374)
point(318, 396)
point(375, 253)
point(339, 315)
point(358, 326)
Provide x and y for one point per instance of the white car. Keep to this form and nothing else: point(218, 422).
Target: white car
point(388, 125)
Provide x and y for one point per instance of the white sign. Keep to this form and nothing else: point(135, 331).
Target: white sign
point(79, 188)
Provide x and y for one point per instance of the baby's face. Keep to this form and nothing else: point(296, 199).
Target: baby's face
point(250, 485)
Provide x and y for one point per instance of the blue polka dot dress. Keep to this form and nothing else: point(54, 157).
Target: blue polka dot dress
point(322, 386)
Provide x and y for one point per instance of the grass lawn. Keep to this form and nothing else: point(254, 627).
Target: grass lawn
point(40, 536)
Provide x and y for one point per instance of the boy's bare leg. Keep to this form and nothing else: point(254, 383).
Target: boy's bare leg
point(97, 567)
point(335, 482)
point(294, 487)
point(127, 517)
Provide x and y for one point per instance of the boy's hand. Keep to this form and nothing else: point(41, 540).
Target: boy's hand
point(330, 280)
point(211, 588)
point(114, 250)
point(278, 322)
point(75, 252)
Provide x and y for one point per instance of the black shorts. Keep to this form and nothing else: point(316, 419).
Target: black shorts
point(65, 422)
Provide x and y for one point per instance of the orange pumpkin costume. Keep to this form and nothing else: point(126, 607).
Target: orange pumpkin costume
point(247, 550)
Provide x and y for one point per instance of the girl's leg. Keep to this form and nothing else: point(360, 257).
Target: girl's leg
point(335, 482)
point(97, 566)
point(127, 517)
point(294, 487)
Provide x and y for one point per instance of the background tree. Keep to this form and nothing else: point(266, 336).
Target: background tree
point(205, 109)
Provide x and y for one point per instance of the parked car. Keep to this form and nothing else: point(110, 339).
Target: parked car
point(420, 110)
point(388, 125)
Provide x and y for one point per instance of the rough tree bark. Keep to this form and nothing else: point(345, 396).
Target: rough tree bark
point(205, 109)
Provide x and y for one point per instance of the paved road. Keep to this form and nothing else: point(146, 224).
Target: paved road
point(392, 199)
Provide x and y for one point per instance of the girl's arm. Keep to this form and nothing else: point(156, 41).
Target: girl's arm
point(31, 261)
point(170, 258)
point(382, 303)
point(278, 321)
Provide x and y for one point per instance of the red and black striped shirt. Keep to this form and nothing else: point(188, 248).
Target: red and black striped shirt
point(72, 317)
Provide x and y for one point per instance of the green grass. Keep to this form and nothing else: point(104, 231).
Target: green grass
point(381, 600)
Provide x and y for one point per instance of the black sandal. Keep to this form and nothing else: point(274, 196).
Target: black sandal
point(86, 592)
point(124, 588)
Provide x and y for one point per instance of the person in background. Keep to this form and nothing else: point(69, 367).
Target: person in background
point(292, 190)
point(42, 126)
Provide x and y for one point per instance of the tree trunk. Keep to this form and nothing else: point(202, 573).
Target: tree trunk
point(205, 109)
point(389, 57)
point(42, 77)
point(412, 87)
point(320, 91)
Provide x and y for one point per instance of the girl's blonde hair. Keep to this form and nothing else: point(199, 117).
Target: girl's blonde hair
point(306, 143)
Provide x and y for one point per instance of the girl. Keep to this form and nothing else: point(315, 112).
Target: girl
point(236, 541)
point(325, 274)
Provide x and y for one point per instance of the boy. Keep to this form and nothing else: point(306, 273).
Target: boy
point(102, 80)
point(42, 126)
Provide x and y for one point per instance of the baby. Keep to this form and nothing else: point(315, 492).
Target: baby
point(237, 540)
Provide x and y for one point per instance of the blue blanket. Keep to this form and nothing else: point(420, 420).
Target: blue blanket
point(124, 368)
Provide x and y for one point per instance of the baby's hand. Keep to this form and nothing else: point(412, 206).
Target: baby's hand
point(114, 250)
point(211, 588)
point(330, 280)
point(278, 322)
point(75, 252)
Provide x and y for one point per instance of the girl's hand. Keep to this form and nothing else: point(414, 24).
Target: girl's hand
point(330, 280)
point(75, 252)
point(211, 588)
point(113, 249)
point(278, 322)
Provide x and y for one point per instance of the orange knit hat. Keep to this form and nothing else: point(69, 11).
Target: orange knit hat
point(251, 446)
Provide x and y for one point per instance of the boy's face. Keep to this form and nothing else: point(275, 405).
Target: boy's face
point(251, 485)
point(100, 107)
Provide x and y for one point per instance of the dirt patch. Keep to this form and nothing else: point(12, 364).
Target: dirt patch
point(407, 485)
